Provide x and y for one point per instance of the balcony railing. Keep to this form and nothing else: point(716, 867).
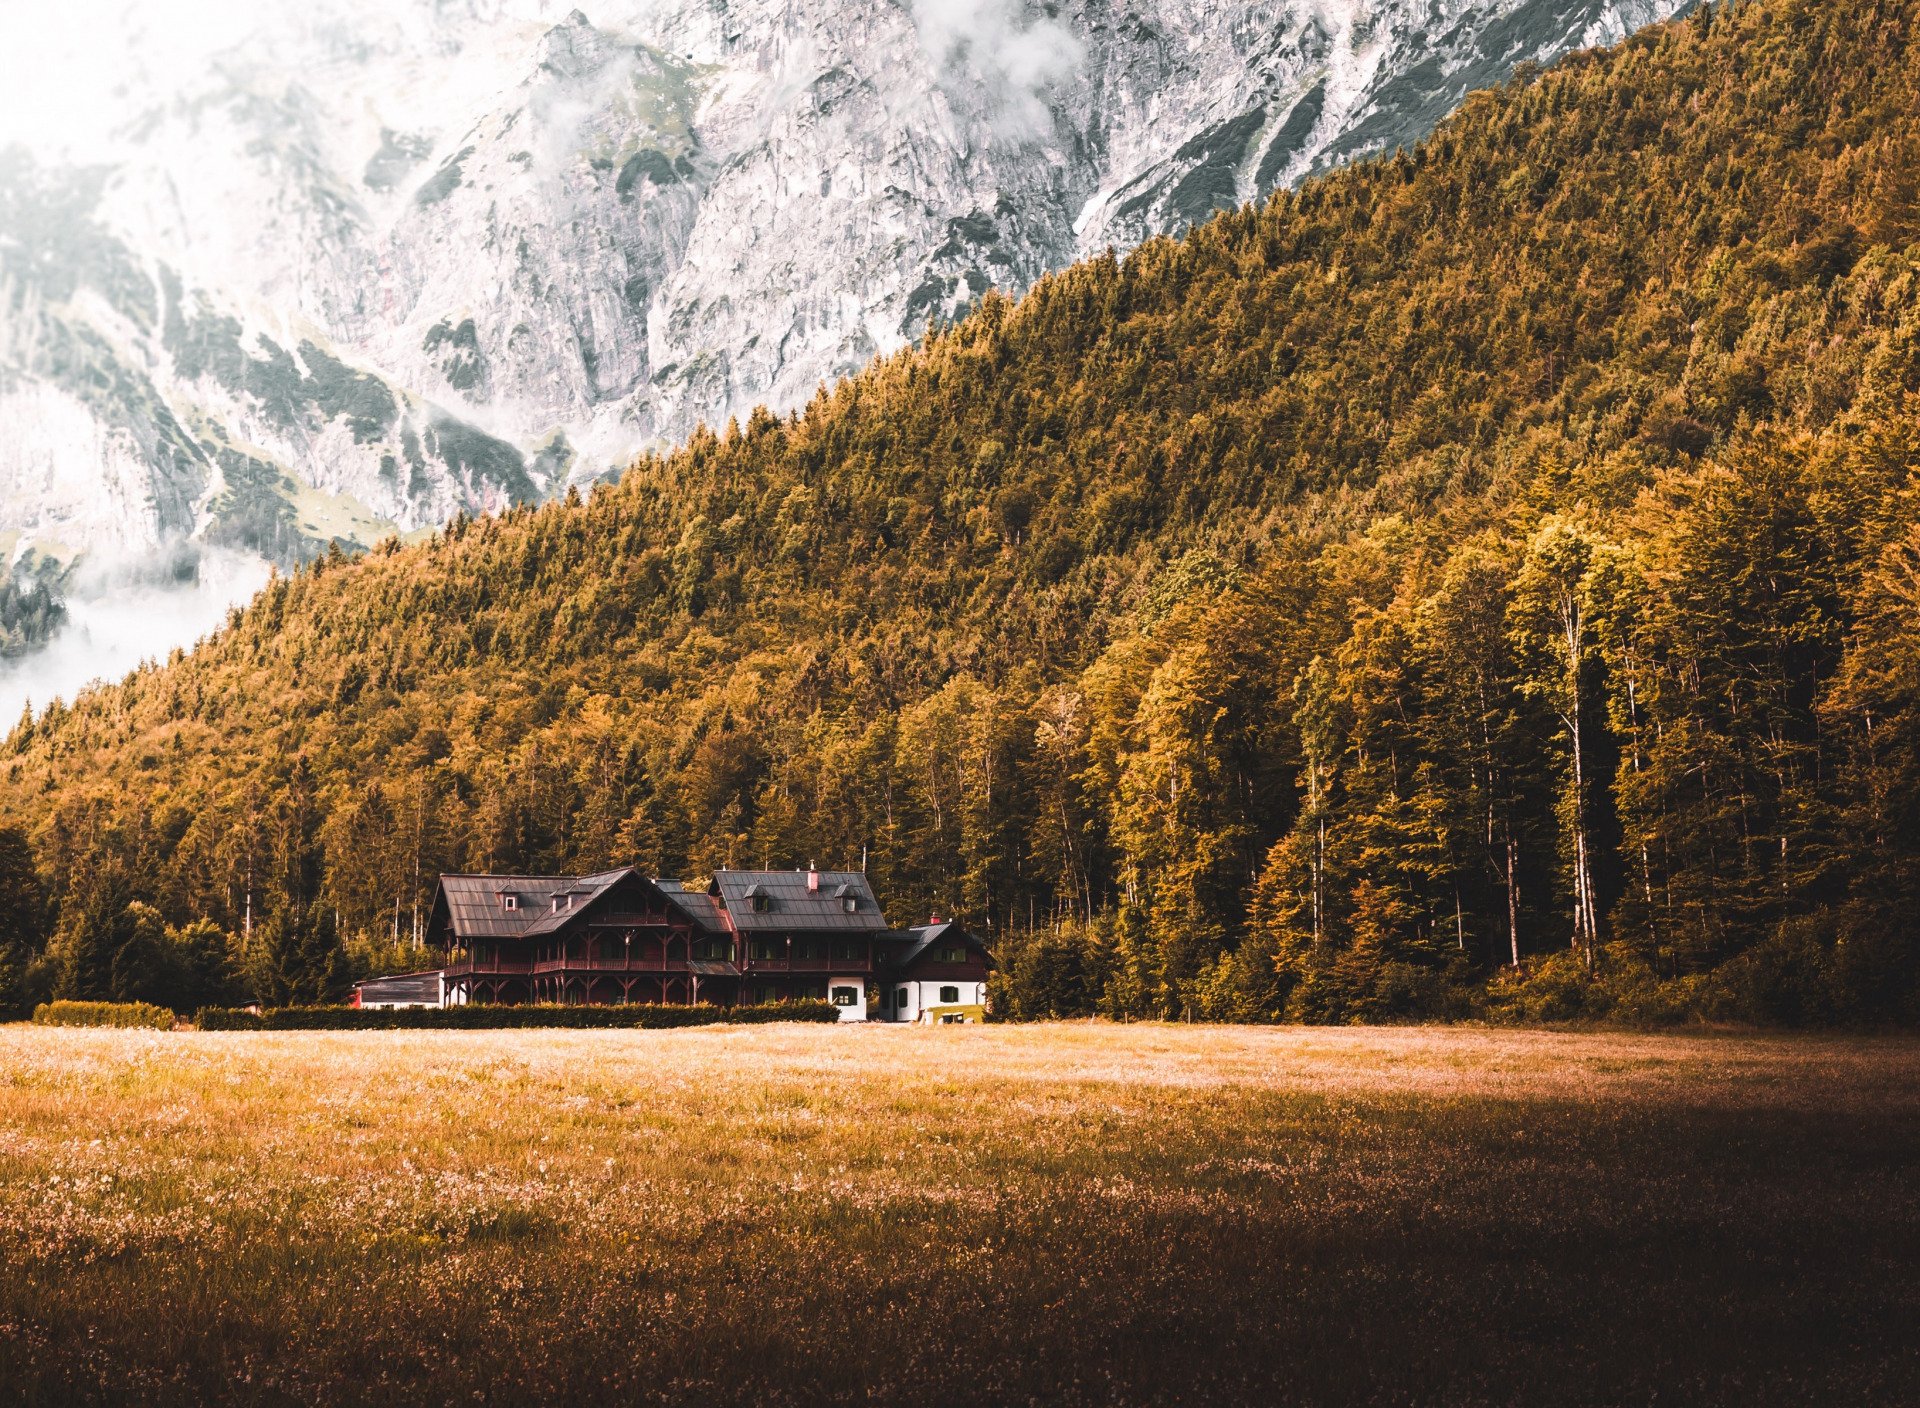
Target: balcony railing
point(809, 965)
point(610, 965)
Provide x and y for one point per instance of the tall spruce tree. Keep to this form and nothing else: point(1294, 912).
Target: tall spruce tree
point(93, 926)
point(22, 916)
point(139, 971)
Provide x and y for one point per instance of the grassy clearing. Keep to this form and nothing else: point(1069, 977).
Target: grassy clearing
point(1067, 1214)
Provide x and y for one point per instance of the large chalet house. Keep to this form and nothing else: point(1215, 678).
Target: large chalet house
point(750, 936)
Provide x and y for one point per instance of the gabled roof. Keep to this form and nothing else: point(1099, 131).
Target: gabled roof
point(791, 905)
point(475, 910)
point(703, 909)
point(582, 893)
point(919, 940)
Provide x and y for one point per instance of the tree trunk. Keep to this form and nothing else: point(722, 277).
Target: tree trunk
point(1585, 924)
point(1513, 900)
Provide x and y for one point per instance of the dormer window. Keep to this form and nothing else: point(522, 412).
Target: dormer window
point(561, 902)
point(849, 901)
point(509, 902)
point(756, 899)
point(850, 904)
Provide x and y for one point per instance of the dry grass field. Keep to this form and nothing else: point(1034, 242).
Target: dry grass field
point(1055, 1214)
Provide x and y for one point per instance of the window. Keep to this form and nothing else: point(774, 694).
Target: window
point(900, 999)
point(956, 954)
point(850, 949)
point(846, 997)
point(949, 993)
point(850, 904)
point(509, 902)
point(561, 902)
point(764, 949)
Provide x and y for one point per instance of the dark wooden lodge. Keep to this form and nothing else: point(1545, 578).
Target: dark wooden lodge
point(750, 936)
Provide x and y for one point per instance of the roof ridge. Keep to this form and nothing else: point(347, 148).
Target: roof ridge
point(489, 875)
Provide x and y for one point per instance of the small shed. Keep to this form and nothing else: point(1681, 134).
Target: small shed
point(401, 990)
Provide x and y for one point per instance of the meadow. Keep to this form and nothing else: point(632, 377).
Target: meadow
point(1059, 1214)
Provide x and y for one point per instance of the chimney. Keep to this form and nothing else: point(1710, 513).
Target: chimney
point(813, 879)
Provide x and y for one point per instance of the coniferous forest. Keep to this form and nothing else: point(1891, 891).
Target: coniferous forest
point(1480, 581)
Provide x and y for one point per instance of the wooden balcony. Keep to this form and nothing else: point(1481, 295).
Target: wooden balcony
point(607, 965)
point(848, 966)
point(460, 967)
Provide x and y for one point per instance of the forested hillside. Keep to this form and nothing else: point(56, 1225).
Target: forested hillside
point(1471, 572)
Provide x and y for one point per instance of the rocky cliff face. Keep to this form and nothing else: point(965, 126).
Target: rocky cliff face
point(375, 263)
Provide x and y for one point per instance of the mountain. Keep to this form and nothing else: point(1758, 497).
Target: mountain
point(1477, 579)
point(366, 266)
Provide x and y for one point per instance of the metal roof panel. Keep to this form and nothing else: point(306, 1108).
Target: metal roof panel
point(791, 905)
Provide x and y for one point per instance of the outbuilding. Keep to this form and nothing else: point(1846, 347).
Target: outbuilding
point(933, 973)
point(426, 989)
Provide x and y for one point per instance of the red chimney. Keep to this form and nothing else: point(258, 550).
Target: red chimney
point(813, 879)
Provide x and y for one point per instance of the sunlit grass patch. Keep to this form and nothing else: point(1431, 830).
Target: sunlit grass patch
point(1055, 1214)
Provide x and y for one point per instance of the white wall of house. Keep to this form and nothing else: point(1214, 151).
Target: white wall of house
point(921, 996)
point(856, 1011)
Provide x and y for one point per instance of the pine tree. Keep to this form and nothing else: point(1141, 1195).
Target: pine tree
point(138, 971)
point(93, 925)
point(1553, 626)
point(203, 968)
point(22, 916)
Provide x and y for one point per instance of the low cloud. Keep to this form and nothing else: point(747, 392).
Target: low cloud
point(115, 623)
point(589, 72)
point(71, 62)
point(1016, 55)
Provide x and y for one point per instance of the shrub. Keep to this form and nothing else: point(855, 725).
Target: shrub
point(474, 1017)
point(1551, 988)
point(228, 1019)
point(103, 1014)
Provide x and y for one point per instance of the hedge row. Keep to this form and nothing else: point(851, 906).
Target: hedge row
point(474, 1016)
point(103, 1014)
